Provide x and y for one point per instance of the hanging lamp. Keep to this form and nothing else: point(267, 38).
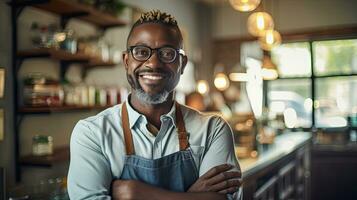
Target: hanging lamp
point(269, 69)
point(244, 5)
point(270, 39)
point(259, 22)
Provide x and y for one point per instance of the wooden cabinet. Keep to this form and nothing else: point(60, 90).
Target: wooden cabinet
point(334, 172)
point(282, 173)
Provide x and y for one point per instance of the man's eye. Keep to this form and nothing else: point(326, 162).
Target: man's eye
point(142, 52)
point(167, 53)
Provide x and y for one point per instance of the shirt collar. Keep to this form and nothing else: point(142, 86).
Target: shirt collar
point(135, 116)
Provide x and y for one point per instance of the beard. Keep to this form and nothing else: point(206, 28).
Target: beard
point(143, 96)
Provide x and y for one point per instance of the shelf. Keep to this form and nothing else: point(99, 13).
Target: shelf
point(62, 55)
point(49, 109)
point(84, 12)
point(60, 154)
point(94, 63)
point(54, 54)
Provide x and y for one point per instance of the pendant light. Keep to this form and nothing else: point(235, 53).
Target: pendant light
point(221, 81)
point(269, 69)
point(202, 87)
point(244, 5)
point(270, 39)
point(238, 74)
point(259, 22)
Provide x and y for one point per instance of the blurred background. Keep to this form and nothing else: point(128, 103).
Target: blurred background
point(282, 73)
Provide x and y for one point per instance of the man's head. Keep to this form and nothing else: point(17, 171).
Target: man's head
point(154, 59)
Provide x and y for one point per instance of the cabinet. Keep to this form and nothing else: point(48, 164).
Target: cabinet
point(65, 10)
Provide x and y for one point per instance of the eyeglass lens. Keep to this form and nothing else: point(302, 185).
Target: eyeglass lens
point(143, 53)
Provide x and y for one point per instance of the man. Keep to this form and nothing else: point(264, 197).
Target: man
point(150, 147)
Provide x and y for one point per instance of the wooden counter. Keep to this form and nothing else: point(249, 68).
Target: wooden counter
point(281, 171)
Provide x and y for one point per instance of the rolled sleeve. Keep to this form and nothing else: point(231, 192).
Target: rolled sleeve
point(89, 175)
point(220, 150)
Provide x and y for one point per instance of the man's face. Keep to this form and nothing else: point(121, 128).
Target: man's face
point(153, 80)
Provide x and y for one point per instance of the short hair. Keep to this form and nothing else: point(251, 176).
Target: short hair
point(156, 16)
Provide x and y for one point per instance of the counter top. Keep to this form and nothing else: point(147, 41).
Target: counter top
point(283, 145)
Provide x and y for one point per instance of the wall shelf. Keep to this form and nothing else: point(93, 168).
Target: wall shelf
point(65, 10)
point(70, 9)
point(60, 154)
point(56, 54)
point(52, 109)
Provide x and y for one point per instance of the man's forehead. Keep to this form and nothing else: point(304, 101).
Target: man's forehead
point(154, 34)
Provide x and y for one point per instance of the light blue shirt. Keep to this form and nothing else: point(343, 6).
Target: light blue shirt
point(98, 147)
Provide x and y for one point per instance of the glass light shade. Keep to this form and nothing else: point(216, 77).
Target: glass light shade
point(202, 87)
point(269, 69)
point(244, 5)
point(238, 76)
point(259, 22)
point(270, 39)
point(221, 81)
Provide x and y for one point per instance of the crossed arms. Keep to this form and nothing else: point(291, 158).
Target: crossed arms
point(214, 184)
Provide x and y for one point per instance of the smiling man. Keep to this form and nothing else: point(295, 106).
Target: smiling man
point(151, 147)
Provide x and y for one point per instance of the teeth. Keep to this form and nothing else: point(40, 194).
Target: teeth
point(151, 77)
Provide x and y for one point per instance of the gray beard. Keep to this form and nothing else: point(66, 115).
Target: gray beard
point(151, 99)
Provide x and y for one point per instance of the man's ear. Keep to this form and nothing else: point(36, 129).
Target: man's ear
point(183, 63)
point(125, 57)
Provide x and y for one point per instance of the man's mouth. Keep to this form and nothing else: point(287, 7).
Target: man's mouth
point(151, 77)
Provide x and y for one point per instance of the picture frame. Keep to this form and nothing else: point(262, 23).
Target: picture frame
point(2, 82)
point(2, 124)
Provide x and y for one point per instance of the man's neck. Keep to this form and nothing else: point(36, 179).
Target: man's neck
point(152, 112)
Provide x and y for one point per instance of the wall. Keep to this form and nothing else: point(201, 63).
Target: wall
point(7, 145)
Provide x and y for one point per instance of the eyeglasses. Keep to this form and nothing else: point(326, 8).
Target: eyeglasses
point(166, 54)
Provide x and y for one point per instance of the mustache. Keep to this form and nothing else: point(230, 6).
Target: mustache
point(151, 70)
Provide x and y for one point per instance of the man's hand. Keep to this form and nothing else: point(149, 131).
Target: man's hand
point(218, 179)
point(129, 189)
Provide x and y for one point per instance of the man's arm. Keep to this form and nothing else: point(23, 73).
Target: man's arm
point(220, 150)
point(212, 185)
point(89, 175)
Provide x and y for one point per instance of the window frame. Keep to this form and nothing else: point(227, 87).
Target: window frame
point(310, 38)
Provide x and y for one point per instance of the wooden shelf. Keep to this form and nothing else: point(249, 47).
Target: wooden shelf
point(54, 54)
point(49, 109)
point(60, 154)
point(69, 8)
point(62, 55)
point(95, 62)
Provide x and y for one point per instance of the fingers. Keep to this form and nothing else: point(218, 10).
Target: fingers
point(230, 190)
point(216, 170)
point(224, 176)
point(226, 185)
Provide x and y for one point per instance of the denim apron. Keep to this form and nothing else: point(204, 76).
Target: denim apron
point(174, 172)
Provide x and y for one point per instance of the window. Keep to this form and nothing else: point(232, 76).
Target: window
point(332, 68)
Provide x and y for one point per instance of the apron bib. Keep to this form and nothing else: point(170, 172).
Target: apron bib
point(174, 172)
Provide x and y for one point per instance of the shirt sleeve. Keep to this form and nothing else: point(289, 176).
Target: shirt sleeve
point(220, 150)
point(89, 175)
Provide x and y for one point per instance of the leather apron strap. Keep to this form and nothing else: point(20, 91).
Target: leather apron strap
point(129, 146)
point(181, 130)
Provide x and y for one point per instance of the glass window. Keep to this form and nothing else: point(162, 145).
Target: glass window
point(335, 57)
point(293, 59)
point(336, 98)
point(294, 96)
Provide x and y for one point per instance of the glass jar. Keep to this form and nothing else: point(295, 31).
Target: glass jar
point(42, 145)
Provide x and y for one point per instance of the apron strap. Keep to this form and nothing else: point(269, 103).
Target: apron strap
point(181, 130)
point(129, 146)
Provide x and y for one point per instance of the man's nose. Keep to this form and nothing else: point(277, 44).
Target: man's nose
point(154, 60)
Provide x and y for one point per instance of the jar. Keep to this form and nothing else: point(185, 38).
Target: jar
point(42, 145)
